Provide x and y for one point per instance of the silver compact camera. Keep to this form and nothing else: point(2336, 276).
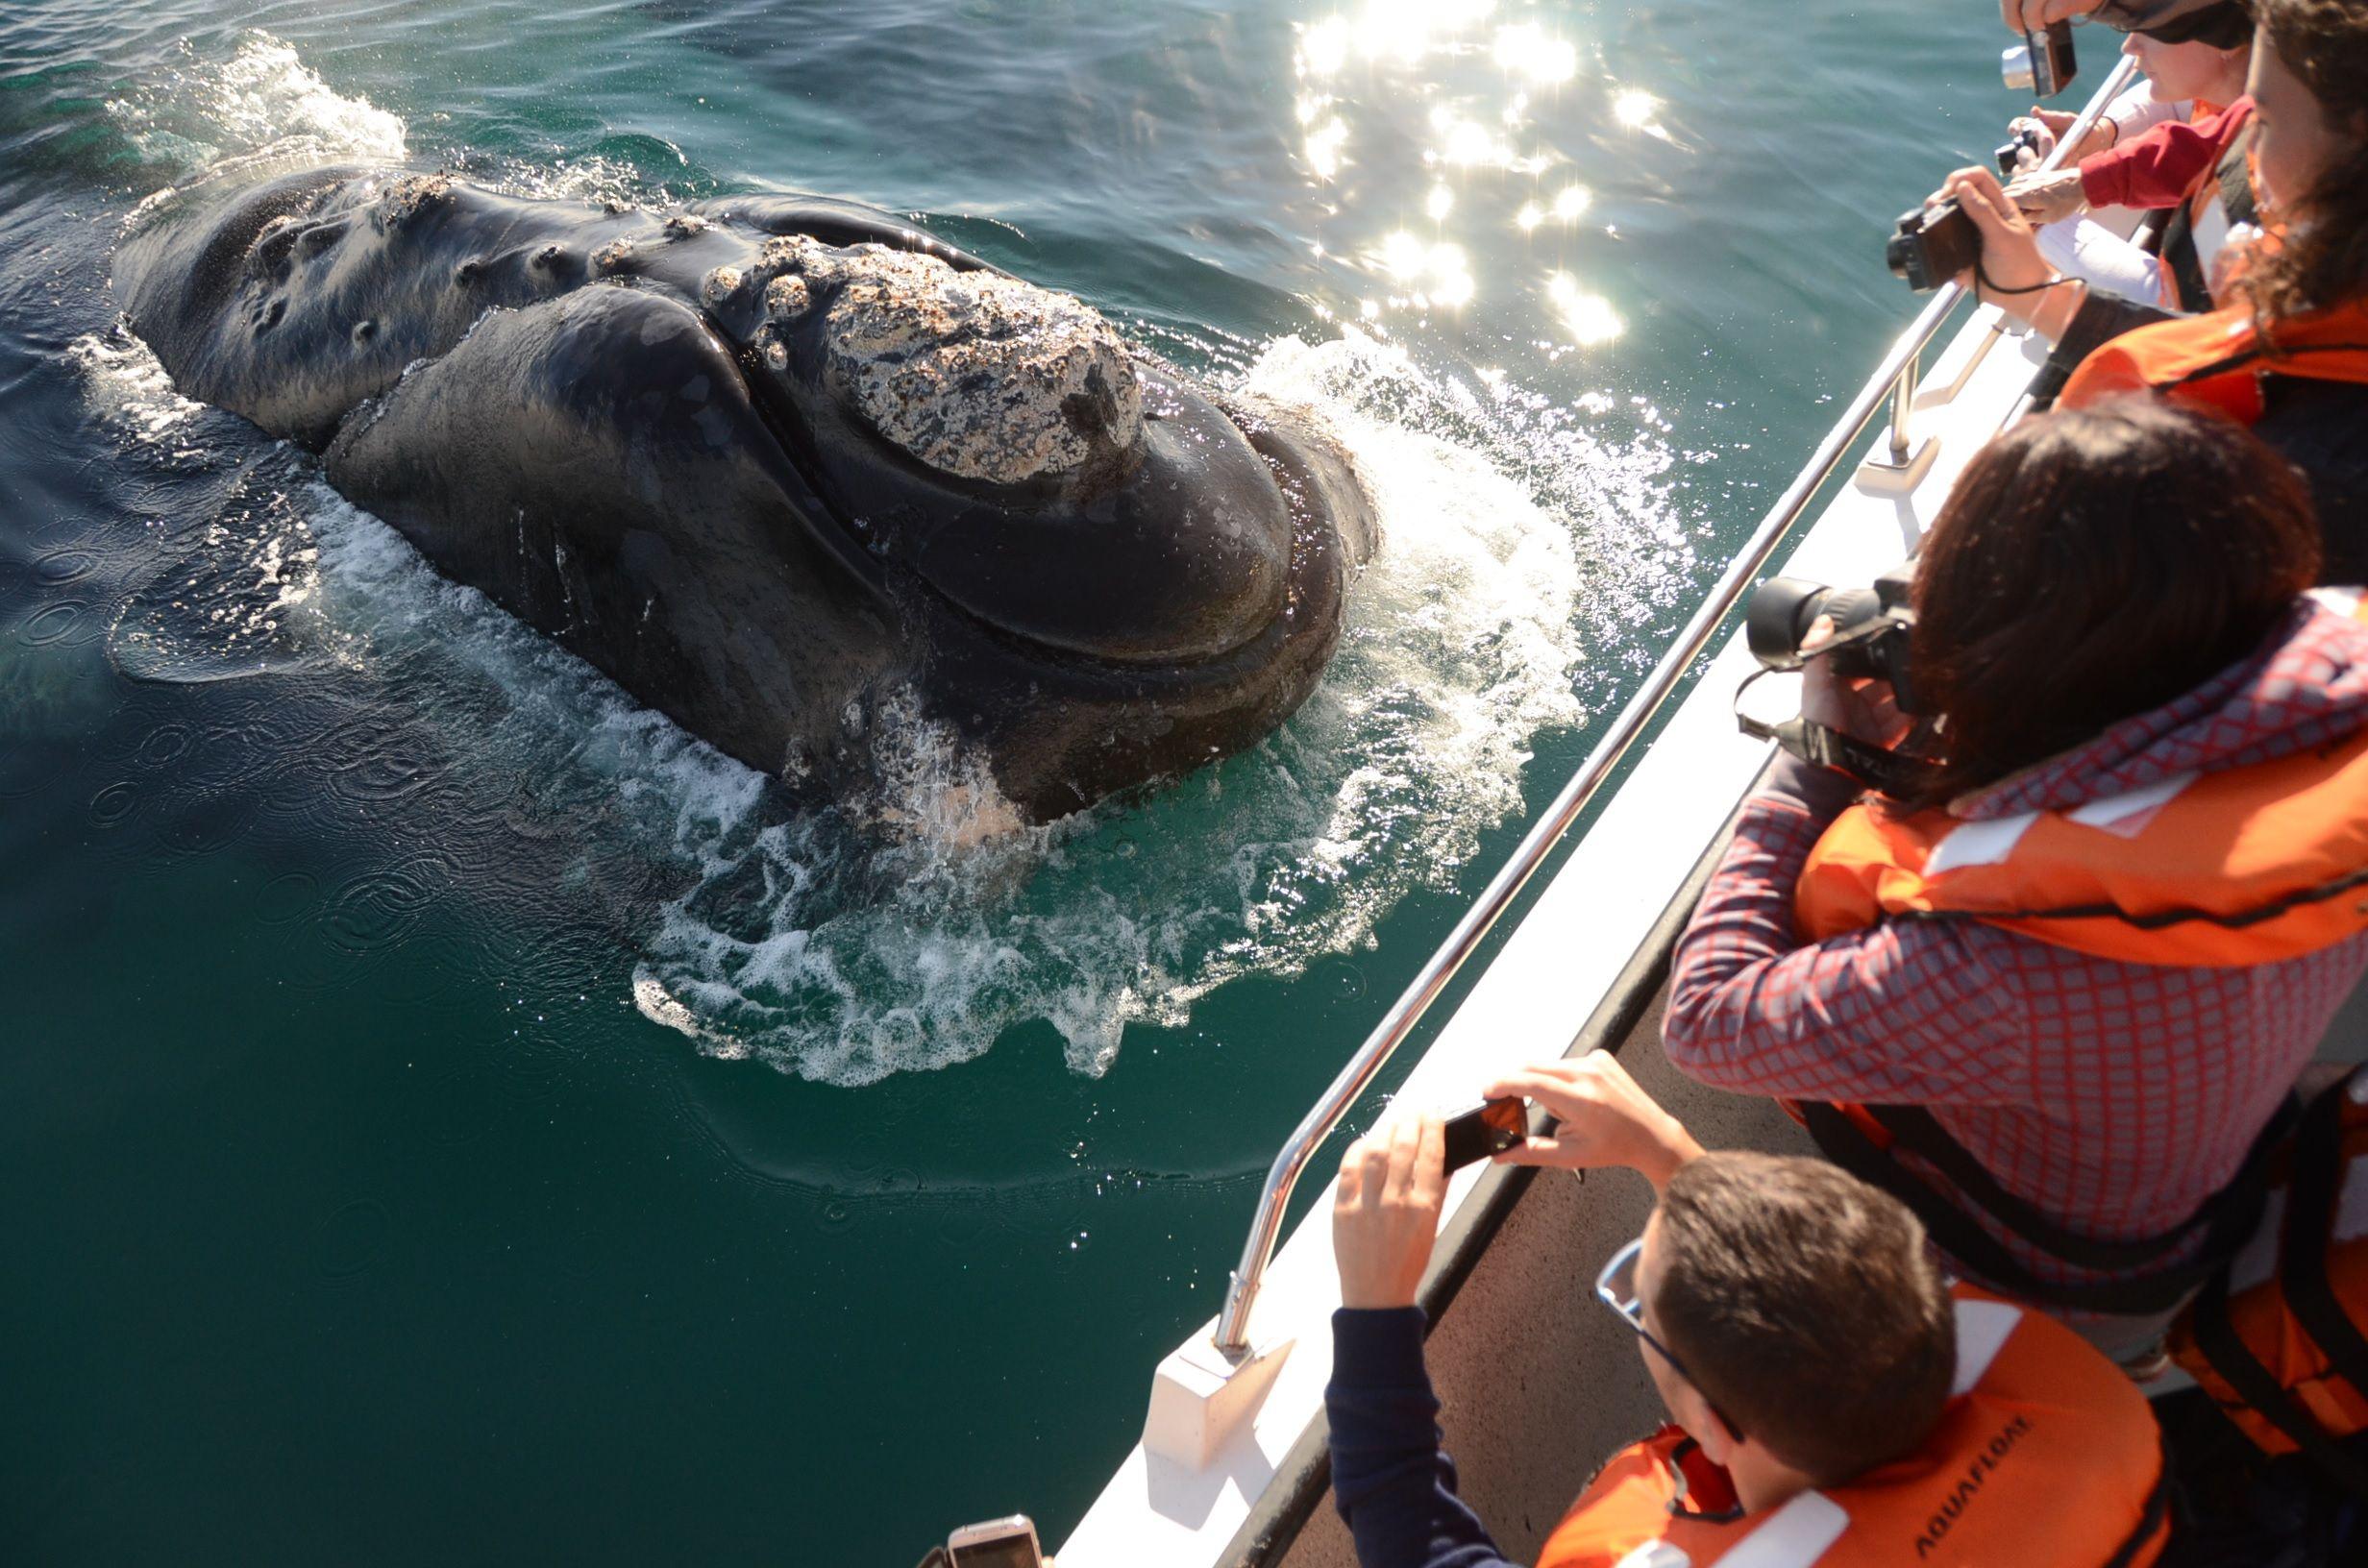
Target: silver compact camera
point(2042, 63)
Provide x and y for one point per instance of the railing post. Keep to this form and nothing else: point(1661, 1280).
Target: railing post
point(1903, 408)
point(1901, 465)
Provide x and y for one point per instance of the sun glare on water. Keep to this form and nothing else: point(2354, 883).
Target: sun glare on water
point(1588, 317)
point(1431, 128)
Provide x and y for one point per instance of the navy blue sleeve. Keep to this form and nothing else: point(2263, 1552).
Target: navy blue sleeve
point(1390, 1480)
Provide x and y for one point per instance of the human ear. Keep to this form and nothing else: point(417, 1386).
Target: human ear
point(1715, 1444)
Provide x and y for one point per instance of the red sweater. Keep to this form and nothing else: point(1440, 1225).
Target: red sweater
point(2164, 166)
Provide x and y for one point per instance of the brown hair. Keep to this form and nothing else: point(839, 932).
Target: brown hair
point(1805, 1307)
point(2093, 564)
point(2325, 260)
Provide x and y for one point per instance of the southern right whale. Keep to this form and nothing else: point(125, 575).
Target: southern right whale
point(779, 465)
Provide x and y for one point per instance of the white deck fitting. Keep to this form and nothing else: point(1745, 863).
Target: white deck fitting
point(1553, 971)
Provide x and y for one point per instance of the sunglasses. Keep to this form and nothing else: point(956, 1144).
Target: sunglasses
point(2224, 26)
point(1616, 1288)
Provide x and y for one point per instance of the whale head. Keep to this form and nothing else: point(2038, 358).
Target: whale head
point(1101, 570)
point(1005, 443)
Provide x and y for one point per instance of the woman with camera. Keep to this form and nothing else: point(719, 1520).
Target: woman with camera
point(2077, 968)
point(2289, 355)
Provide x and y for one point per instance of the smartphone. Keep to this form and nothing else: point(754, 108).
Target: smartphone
point(1487, 1127)
point(996, 1543)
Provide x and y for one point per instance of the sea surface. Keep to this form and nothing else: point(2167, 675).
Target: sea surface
point(448, 1114)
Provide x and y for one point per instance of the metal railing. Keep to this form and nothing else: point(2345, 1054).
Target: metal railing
point(1893, 382)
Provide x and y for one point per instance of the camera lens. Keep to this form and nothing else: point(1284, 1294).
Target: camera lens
point(1779, 616)
point(2015, 65)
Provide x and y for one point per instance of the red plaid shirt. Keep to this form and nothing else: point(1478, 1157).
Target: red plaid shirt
point(2115, 1097)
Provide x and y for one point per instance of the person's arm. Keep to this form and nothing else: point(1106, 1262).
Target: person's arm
point(1390, 1480)
point(1602, 1116)
point(2160, 167)
point(1896, 1014)
point(2133, 111)
point(2096, 254)
point(2030, 16)
point(2098, 318)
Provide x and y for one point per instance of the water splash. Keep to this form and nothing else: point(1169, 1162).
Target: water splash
point(130, 390)
point(263, 103)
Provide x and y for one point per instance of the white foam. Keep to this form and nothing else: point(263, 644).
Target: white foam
point(591, 178)
point(130, 389)
point(263, 102)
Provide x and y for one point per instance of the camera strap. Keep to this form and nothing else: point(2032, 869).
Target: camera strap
point(1886, 773)
point(1982, 277)
point(1889, 771)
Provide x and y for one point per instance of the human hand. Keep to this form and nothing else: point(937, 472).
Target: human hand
point(1385, 1210)
point(2045, 198)
point(2030, 16)
point(1602, 1118)
point(1861, 707)
point(2055, 123)
point(2042, 138)
point(2010, 271)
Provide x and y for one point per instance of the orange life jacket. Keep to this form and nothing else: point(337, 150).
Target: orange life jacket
point(2217, 360)
point(2242, 866)
point(2046, 1457)
point(2236, 867)
point(2280, 1337)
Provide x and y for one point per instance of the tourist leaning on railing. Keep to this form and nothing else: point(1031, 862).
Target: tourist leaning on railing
point(2289, 355)
point(1832, 1399)
point(2194, 172)
point(2080, 246)
point(2099, 946)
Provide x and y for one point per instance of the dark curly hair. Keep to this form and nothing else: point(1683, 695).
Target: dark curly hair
point(2325, 262)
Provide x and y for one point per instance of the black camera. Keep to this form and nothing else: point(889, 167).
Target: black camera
point(2042, 63)
point(1869, 639)
point(1870, 626)
point(2011, 156)
point(1932, 245)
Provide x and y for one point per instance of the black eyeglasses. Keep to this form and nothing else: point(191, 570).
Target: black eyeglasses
point(1616, 1286)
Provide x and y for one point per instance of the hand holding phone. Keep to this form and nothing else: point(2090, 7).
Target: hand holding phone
point(1489, 1128)
point(996, 1543)
point(1603, 1118)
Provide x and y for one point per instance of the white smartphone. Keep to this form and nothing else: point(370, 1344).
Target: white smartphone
point(996, 1543)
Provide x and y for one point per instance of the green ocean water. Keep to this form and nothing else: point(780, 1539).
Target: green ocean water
point(447, 1115)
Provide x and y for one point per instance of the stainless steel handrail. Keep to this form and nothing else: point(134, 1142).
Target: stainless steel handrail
point(1232, 1336)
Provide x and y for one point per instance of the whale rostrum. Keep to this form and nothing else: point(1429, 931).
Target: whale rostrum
point(772, 462)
